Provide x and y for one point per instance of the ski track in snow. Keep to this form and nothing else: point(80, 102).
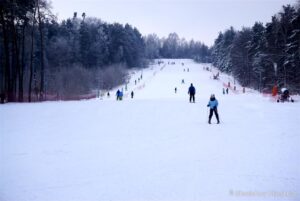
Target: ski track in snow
point(155, 147)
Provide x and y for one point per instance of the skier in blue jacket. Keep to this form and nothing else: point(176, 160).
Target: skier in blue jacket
point(213, 105)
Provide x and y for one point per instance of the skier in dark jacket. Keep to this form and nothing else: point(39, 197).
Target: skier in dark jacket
point(213, 105)
point(192, 92)
point(118, 94)
point(132, 94)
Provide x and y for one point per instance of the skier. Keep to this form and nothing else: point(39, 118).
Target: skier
point(108, 94)
point(213, 105)
point(182, 81)
point(118, 94)
point(223, 91)
point(188, 70)
point(135, 82)
point(121, 95)
point(227, 90)
point(132, 94)
point(192, 92)
point(175, 90)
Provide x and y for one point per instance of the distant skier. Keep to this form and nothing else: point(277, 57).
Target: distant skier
point(135, 82)
point(213, 105)
point(121, 95)
point(132, 94)
point(192, 92)
point(182, 81)
point(223, 91)
point(227, 90)
point(118, 94)
point(188, 70)
point(175, 90)
point(108, 94)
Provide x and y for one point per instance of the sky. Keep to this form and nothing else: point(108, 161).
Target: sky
point(200, 20)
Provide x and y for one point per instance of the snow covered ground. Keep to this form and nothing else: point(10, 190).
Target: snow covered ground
point(155, 147)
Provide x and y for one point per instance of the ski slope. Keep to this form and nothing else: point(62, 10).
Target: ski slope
point(155, 147)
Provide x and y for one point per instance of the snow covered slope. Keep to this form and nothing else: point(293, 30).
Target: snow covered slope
point(156, 147)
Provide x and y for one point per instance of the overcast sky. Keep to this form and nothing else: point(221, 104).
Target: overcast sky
point(192, 19)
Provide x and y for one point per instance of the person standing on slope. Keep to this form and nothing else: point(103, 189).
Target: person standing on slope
point(192, 92)
point(213, 105)
point(118, 93)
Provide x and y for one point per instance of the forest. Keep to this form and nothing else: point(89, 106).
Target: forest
point(44, 59)
point(263, 56)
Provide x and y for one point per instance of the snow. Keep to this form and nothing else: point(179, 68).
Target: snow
point(156, 147)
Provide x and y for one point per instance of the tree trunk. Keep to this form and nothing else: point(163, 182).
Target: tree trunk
point(42, 53)
point(21, 72)
point(7, 86)
point(31, 58)
point(16, 59)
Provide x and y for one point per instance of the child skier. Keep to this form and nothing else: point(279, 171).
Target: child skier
point(213, 105)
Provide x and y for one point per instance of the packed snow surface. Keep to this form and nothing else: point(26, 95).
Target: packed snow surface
point(154, 147)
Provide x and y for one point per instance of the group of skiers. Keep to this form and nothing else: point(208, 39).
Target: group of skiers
point(225, 91)
point(212, 104)
point(119, 95)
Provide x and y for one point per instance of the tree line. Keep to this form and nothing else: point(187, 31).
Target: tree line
point(263, 56)
point(175, 47)
point(42, 59)
point(40, 56)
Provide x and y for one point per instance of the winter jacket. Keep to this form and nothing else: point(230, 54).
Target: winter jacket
point(192, 90)
point(213, 103)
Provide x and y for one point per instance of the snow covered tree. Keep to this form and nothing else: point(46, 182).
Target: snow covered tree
point(153, 44)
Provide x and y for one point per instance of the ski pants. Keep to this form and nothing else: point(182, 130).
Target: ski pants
point(192, 97)
point(211, 111)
